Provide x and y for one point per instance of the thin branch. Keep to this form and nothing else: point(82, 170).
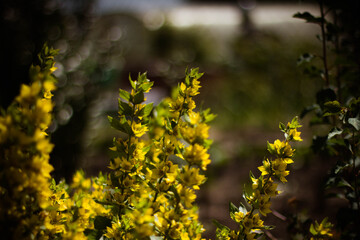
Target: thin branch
point(323, 34)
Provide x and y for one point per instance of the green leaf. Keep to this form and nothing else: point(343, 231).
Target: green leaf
point(146, 86)
point(142, 78)
point(268, 227)
point(132, 149)
point(121, 125)
point(101, 222)
point(338, 182)
point(125, 108)
point(270, 148)
point(220, 226)
point(147, 109)
point(335, 131)
point(344, 183)
point(207, 143)
point(312, 230)
point(207, 116)
point(248, 191)
point(147, 148)
point(92, 234)
point(114, 123)
point(332, 107)
point(325, 223)
point(243, 209)
point(282, 127)
point(168, 124)
point(251, 175)
point(177, 196)
point(138, 98)
point(132, 83)
point(233, 208)
point(124, 94)
point(308, 17)
point(339, 169)
point(355, 122)
point(295, 123)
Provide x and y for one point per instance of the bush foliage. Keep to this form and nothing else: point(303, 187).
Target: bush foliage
point(156, 167)
point(160, 159)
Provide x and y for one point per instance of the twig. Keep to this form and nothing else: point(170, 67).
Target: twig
point(326, 71)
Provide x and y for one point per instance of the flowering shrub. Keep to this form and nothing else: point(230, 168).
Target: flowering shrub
point(259, 191)
point(151, 189)
point(156, 169)
point(24, 153)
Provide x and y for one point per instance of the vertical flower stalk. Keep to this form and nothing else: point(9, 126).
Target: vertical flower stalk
point(157, 165)
point(24, 153)
point(259, 191)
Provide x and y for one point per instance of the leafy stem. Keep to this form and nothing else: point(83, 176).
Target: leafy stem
point(355, 175)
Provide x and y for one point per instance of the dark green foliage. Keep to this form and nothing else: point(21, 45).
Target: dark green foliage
point(337, 109)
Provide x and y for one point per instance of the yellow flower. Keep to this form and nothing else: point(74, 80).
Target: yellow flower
point(28, 93)
point(139, 129)
point(279, 168)
point(294, 135)
point(190, 104)
point(115, 231)
point(190, 177)
point(196, 154)
point(322, 230)
point(239, 216)
point(176, 106)
point(281, 149)
point(174, 231)
point(186, 194)
point(80, 182)
point(194, 117)
point(270, 188)
point(48, 87)
point(264, 205)
point(265, 169)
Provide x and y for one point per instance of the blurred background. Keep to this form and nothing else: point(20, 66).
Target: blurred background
point(248, 50)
